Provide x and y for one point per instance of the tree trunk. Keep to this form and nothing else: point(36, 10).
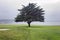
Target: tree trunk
point(29, 23)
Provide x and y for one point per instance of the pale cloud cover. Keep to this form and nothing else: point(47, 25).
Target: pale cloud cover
point(9, 8)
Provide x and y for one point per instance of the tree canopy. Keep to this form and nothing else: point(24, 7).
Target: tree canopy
point(30, 13)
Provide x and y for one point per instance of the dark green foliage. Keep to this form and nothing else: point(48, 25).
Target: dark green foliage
point(30, 13)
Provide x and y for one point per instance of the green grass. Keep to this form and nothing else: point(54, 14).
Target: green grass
point(23, 32)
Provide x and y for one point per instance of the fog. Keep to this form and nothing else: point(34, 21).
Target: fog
point(9, 9)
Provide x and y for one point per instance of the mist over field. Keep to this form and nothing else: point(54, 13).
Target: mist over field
point(11, 21)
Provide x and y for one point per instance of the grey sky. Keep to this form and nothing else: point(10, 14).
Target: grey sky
point(9, 8)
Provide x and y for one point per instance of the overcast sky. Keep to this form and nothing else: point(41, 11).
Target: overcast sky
point(9, 8)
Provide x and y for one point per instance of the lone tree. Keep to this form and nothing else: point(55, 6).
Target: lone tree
point(30, 13)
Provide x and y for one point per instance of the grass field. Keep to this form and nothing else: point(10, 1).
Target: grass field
point(23, 32)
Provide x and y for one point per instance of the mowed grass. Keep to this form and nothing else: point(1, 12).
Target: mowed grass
point(35, 32)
